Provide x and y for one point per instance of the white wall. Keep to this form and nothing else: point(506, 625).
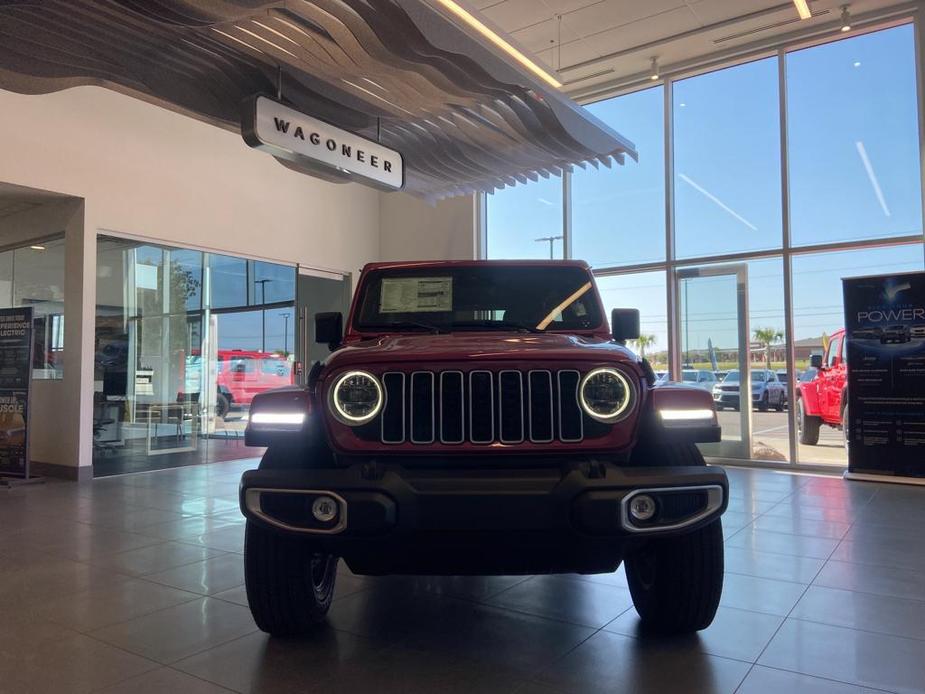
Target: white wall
point(412, 229)
point(148, 172)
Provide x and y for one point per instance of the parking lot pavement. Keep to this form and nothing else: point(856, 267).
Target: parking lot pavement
point(771, 430)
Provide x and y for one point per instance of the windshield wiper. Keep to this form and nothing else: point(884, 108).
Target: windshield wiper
point(488, 323)
point(432, 329)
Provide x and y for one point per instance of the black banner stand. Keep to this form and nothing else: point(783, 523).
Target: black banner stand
point(885, 331)
point(16, 358)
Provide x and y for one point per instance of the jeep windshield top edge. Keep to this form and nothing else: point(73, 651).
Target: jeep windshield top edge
point(521, 298)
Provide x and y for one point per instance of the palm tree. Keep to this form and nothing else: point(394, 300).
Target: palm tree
point(642, 343)
point(767, 337)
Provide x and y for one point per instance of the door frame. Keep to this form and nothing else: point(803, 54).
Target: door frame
point(741, 448)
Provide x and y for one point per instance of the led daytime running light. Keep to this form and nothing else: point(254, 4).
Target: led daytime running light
point(624, 407)
point(345, 416)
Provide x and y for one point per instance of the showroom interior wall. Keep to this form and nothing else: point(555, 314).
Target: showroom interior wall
point(414, 229)
point(142, 171)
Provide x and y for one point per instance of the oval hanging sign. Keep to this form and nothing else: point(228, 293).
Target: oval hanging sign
point(289, 134)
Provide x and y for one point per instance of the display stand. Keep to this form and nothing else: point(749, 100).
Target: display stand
point(16, 354)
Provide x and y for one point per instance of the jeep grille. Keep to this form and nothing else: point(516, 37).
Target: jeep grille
point(507, 406)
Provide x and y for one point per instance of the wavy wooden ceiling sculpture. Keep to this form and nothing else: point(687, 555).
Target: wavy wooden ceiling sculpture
point(463, 116)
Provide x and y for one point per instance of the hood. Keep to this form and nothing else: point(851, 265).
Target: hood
point(479, 346)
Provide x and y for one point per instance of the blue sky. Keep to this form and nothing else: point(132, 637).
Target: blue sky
point(853, 168)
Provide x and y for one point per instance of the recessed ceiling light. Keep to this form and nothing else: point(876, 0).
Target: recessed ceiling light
point(653, 72)
point(845, 19)
point(803, 9)
point(37, 247)
point(498, 41)
point(683, 104)
point(857, 63)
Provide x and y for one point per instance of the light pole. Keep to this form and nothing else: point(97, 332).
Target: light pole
point(285, 333)
point(552, 240)
point(263, 321)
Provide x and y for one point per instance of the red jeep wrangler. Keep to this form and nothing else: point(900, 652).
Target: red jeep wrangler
point(822, 400)
point(478, 417)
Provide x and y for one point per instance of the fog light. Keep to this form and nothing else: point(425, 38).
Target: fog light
point(642, 507)
point(324, 509)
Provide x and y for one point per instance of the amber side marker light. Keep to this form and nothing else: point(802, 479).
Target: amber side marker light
point(480, 27)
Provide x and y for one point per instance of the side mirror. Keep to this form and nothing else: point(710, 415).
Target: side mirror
point(815, 360)
point(624, 324)
point(329, 329)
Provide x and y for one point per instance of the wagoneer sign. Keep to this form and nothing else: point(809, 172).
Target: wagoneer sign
point(284, 132)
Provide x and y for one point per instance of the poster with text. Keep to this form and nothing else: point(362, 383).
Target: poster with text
point(885, 328)
point(15, 382)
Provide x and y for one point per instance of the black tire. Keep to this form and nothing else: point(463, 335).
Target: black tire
point(781, 401)
point(221, 406)
point(807, 425)
point(765, 402)
point(289, 586)
point(844, 428)
point(676, 582)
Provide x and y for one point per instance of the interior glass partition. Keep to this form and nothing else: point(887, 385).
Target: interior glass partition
point(184, 341)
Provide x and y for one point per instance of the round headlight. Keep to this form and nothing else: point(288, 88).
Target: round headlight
point(356, 397)
point(605, 394)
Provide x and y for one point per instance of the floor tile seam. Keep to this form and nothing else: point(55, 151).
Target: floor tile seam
point(783, 532)
point(546, 617)
point(504, 590)
point(127, 652)
point(818, 677)
point(862, 630)
point(868, 592)
point(221, 554)
point(90, 632)
point(578, 645)
point(213, 646)
point(796, 602)
point(784, 554)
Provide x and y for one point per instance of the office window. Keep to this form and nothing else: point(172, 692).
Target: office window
point(727, 161)
point(853, 136)
point(618, 213)
point(525, 221)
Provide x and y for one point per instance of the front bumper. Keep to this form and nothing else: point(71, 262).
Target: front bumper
point(392, 519)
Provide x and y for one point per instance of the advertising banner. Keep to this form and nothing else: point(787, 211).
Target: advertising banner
point(885, 329)
point(15, 387)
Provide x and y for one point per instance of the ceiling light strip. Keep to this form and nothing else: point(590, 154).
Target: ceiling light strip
point(499, 42)
point(803, 9)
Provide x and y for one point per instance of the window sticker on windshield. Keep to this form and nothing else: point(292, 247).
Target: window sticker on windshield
point(416, 294)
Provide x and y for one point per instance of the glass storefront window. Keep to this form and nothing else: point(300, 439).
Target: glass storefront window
point(853, 135)
point(727, 161)
point(33, 276)
point(618, 213)
point(228, 281)
point(645, 291)
point(818, 312)
point(177, 362)
point(526, 220)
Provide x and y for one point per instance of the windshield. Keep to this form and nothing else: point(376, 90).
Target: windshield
point(484, 297)
point(690, 376)
point(731, 376)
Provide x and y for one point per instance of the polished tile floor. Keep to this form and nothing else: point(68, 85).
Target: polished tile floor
point(134, 584)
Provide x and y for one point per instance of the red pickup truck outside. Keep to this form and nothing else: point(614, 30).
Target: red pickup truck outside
point(822, 400)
